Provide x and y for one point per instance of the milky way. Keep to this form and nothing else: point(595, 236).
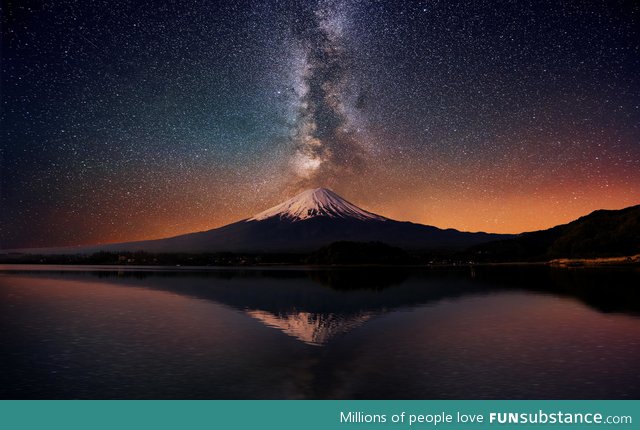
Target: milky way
point(328, 149)
point(125, 120)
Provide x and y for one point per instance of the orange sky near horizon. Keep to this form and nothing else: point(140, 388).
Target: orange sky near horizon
point(468, 212)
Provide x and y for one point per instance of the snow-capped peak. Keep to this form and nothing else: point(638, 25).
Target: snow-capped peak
point(317, 202)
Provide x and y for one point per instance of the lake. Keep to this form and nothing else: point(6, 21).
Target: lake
point(367, 333)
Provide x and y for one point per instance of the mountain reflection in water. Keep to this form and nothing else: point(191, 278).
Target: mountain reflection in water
point(508, 332)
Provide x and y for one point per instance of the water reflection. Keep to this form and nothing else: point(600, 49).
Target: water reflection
point(310, 328)
point(314, 306)
point(501, 333)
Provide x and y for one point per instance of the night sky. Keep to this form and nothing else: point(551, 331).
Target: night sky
point(125, 120)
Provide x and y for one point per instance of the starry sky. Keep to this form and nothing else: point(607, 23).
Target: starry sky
point(127, 120)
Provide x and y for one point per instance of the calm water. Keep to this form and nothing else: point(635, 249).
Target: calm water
point(492, 333)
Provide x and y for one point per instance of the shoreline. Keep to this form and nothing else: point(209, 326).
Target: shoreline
point(630, 260)
point(562, 263)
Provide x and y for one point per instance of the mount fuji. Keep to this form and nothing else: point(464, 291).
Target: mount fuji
point(306, 222)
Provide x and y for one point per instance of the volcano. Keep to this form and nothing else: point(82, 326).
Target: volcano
point(306, 222)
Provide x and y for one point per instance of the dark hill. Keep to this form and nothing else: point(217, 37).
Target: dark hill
point(603, 233)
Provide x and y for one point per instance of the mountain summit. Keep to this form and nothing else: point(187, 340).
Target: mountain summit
point(317, 202)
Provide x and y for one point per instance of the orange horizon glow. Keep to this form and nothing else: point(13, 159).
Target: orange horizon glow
point(455, 199)
point(508, 216)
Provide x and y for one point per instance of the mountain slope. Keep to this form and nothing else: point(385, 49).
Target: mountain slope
point(603, 233)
